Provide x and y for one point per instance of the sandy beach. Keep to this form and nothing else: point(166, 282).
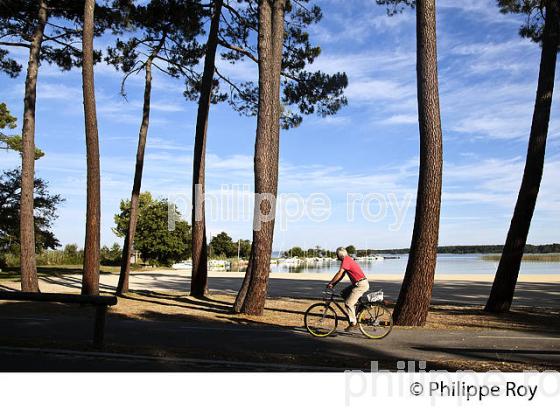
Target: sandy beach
point(383, 276)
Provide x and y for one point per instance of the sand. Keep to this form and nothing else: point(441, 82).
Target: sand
point(169, 279)
point(380, 276)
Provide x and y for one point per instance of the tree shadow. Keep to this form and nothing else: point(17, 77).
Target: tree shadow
point(73, 282)
point(178, 335)
point(533, 320)
point(546, 358)
point(206, 304)
point(229, 338)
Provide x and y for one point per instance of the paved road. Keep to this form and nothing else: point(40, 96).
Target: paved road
point(185, 337)
point(64, 360)
point(248, 343)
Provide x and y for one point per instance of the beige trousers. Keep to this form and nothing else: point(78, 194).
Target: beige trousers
point(351, 295)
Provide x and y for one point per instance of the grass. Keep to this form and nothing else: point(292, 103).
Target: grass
point(528, 257)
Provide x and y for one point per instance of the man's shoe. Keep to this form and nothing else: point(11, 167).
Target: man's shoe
point(351, 327)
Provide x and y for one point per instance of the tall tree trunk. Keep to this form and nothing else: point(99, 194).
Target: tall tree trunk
point(90, 279)
point(503, 288)
point(199, 276)
point(122, 286)
point(416, 291)
point(270, 43)
point(240, 298)
point(29, 281)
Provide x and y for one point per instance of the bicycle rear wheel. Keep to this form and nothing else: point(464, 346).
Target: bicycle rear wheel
point(320, 320)
point(375, 321)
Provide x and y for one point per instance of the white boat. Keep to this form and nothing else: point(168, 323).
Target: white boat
point(319, 261)
point(370, 258)
point(290, 261)
point(182, 265)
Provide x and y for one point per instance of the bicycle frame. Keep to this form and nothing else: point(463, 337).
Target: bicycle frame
point(342, 309)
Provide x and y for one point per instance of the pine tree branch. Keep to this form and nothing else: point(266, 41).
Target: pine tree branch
point(228, 81)
point(240, 50)
point(10, 44)
point(68, 45)
point(252, 57)
point(239, 16)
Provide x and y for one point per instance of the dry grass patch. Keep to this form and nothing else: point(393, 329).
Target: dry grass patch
point(288, 312)
point(217, 307)
point(474, 317)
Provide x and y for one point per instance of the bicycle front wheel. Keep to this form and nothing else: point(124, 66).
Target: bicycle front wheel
point(375, 321)
point(320, 320)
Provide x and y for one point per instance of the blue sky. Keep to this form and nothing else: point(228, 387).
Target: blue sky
point(369, 150)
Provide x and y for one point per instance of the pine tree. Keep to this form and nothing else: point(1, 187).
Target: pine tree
point(163, 35)
point(542, 26)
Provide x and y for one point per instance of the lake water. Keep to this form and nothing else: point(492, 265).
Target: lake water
point(446, 264)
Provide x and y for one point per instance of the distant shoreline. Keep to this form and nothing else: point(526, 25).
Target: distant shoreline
point(530, 257)
point(469, 249)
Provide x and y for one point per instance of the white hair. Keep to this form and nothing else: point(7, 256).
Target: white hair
point(341, 252)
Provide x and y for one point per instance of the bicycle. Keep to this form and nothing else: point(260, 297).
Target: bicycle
point(374, 320)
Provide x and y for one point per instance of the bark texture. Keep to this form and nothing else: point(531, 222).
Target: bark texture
point(90, 279)
point(128, 246)
point(199, 277)
point(29, 281)
point(122, 286)
point(503, 288)
point(270, 43)
point(416, 291)
point(240, 298)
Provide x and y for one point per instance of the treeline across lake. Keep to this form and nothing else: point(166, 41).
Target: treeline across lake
point(463, 249)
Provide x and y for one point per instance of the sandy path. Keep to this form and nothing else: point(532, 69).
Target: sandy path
point(531, 290)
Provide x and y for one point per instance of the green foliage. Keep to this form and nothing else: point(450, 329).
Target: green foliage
point(396, 6)
point(296, 251)
point(168, 29)
point(318, 252)
point(73, 255)
point(63, 30)
point(531, 257)
point(463, 249)
point(303, 92)
point(351, 249)
point(45, 206)
point(12, 142)
point(533, 10)
point(222, 246)
point(70, 255)
point(15, 143)
point(244, 248)
point(155, 242)
point(111, 256)
point(6, 119)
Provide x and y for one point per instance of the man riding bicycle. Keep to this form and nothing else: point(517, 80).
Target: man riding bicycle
point(352, 293)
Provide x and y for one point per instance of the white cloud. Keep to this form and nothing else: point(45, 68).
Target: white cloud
point(401, 119)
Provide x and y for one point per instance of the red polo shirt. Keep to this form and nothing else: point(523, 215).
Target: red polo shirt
point(352, 269)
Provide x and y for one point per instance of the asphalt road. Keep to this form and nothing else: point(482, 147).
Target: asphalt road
point(243, 347)
point(239, 346)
